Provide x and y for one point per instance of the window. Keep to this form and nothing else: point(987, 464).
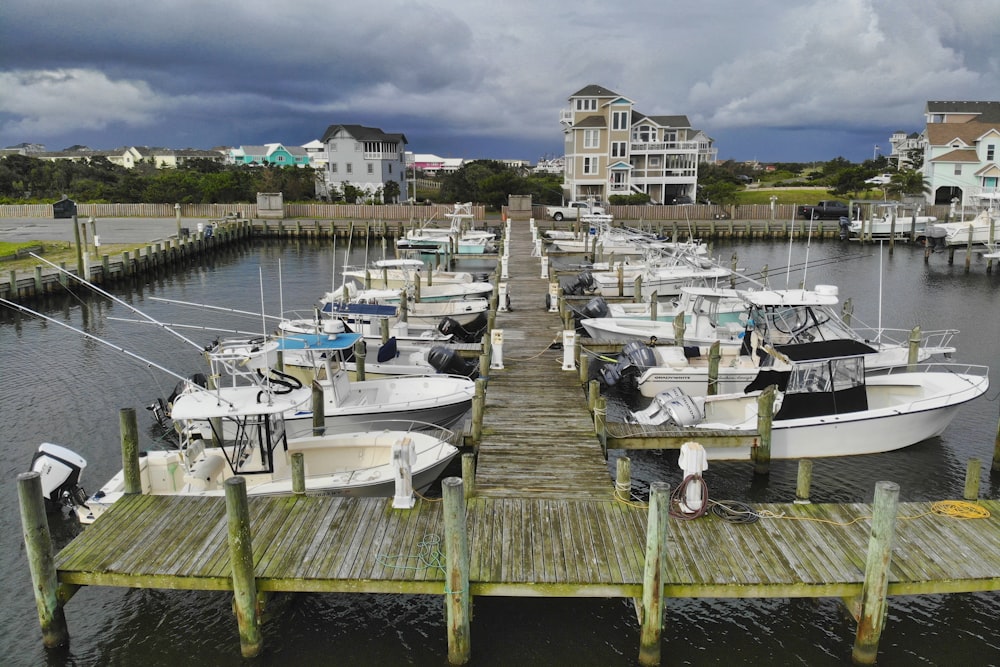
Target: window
point(619, 120)
point(654, 160)
point(371, 168)
point(333, 146)
point(958, 170)
point(591, 138)
point(990, 152)
point(586, 105)
point(618, 148)
point(390, 167)
point(358, 148)
point(333, 167)
point(590, 165)
point(350, 168)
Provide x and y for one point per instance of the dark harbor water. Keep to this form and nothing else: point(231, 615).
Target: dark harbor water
point(58, 386)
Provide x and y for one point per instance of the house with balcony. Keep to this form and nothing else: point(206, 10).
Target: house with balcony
point(613, 149)
point(365, 157)
point(961, 143)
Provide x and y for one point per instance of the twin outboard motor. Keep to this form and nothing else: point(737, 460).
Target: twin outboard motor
point(582, 284)
point(446, 360)
point(634, 358)
point(60, 470)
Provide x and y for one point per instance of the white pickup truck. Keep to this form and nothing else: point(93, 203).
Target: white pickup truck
point(573, 210)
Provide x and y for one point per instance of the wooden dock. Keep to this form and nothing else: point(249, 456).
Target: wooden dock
point(541, 517)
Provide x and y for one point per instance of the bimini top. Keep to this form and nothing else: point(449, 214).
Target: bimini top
point(823, 295)
point(825, 349)
point(317, 341)
point(399, 264)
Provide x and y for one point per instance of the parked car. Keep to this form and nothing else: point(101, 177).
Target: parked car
point(682, 200)
point(881, 179)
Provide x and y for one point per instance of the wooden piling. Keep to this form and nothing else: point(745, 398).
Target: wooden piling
point(803, 482)
point(761, 454)
point(679, 326)
point(654, 573)
point(41, 561)
point(298, 473)
point(714, 356)
point(469, 474)
point(129, 429)
point(972, 475)
point(359, 360)
point(623, 478)
point(601, 423)
point(318, 409)
point(456, 589)
point(478, 409)
point(913, 353)
point(241, 558)
point(874, 603)
point(584, 364)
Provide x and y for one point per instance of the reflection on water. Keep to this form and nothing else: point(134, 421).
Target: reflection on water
point(58, 386)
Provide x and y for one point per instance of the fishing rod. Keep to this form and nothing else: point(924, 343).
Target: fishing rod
point(118, 348)
point(199, 327)
point(210, 307)
point(117, 300)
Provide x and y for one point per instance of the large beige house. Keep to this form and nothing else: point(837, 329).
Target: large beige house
point(612, 149)
point(961, 143)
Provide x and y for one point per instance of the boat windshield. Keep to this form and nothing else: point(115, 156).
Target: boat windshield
point(782, 325)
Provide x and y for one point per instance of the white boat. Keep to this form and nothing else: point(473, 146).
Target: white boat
point(349, 463)
point(985, 223)
point(415, 292)
point(883, 227)
point(826, 405)
point(398, 273)
point(397, 351)
point(429, 314)
point(777, 317)
point(457, 237)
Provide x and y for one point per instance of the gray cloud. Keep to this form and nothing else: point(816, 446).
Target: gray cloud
point(768, 80)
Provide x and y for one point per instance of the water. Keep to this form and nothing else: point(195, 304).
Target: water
point(58, 386)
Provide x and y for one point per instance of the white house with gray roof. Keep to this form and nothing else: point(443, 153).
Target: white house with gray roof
point(365, 157)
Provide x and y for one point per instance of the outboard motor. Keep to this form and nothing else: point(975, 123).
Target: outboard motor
point(60, 469)
point(845, 228)
point(633, 359)
point(596, 307)
point(471, 333)
point(447, 360)
point(161, 408)
point(583, 283)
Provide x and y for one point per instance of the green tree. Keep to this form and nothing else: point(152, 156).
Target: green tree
point(391, 192)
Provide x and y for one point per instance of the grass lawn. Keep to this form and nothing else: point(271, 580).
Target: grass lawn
point(794, 195)
point(53, 251)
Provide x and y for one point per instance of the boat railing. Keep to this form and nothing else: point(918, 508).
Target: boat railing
point(938, 341)
point(444, 435)
point(975, 370)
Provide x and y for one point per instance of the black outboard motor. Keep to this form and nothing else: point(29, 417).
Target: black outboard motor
point(161, 408)
point(845, 228)
point(447, 360)
point(582, 284)
point(596, 307)
point(470, 333)
point(634, 358)
point(60, 470)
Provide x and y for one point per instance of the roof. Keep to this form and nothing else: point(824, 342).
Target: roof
point(594, 90)
point(989, 112)
point(670, 121)
point(591, 121)
point(941, 134)
point(958, 155)
point(362, 133)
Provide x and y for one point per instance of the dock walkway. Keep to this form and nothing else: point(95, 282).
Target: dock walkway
point(542, 518)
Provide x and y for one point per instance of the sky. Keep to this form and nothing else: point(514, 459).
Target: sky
point(768, 80)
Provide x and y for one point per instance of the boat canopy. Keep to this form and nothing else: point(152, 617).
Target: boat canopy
point(825, 349)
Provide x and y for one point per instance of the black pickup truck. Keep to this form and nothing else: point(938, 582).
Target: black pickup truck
point(827, 208)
